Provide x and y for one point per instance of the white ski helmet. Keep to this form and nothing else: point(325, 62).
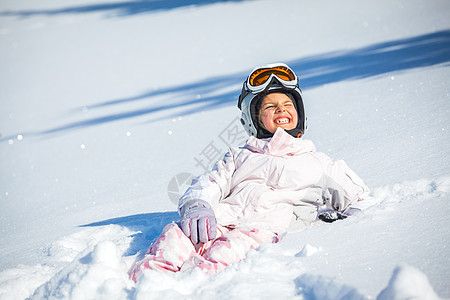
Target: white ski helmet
point(264, 80)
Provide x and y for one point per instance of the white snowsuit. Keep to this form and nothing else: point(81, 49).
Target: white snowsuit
point(257, 192)
point(276, 183)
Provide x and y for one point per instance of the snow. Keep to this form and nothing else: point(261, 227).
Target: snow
point(408, 283)
point(108, 108)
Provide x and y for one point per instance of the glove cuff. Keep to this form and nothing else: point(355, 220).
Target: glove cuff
point(196, 204)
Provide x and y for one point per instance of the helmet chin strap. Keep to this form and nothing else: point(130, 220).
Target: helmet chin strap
point(296, 132)
point(264, 133)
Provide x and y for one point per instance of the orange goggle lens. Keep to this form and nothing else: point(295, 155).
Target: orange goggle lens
point(261, 76)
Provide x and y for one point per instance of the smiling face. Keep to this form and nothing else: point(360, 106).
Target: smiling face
point(277, 110)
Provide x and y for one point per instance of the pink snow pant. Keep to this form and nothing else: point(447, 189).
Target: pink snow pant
point(173, 251)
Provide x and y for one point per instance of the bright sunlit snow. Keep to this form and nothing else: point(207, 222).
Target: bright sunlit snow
point(108, 109)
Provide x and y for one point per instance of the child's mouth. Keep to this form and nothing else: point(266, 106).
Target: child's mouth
point(282, 121)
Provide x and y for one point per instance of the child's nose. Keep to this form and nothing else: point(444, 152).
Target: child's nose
point(280, 108)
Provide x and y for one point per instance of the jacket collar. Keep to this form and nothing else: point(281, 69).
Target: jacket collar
point(281, 144)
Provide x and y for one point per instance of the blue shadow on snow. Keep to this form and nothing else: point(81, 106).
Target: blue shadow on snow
point(117, 9)
point(421, 51)
point(148, 227)
point(314, 71)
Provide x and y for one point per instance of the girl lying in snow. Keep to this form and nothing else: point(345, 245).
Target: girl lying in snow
point(275, 182)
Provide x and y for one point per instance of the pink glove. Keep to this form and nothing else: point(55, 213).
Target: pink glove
point(198, 221)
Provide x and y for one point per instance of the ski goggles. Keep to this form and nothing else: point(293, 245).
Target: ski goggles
point(262, 77)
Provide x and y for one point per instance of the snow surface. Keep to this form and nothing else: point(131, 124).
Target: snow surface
point(108, 107)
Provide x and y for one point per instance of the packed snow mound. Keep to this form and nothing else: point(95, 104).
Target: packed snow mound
point(99, 274)
point(408, 283)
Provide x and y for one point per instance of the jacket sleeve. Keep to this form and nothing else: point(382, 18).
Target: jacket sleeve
point(343, 187)
point(211, 187)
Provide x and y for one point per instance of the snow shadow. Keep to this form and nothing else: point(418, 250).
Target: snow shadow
point(400, 55)
point(117, 9)
point(148, 227)
point(367, 62)
point(315, 287)
point(393, 56)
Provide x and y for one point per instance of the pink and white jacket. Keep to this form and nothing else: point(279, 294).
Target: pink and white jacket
point(275, 184)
